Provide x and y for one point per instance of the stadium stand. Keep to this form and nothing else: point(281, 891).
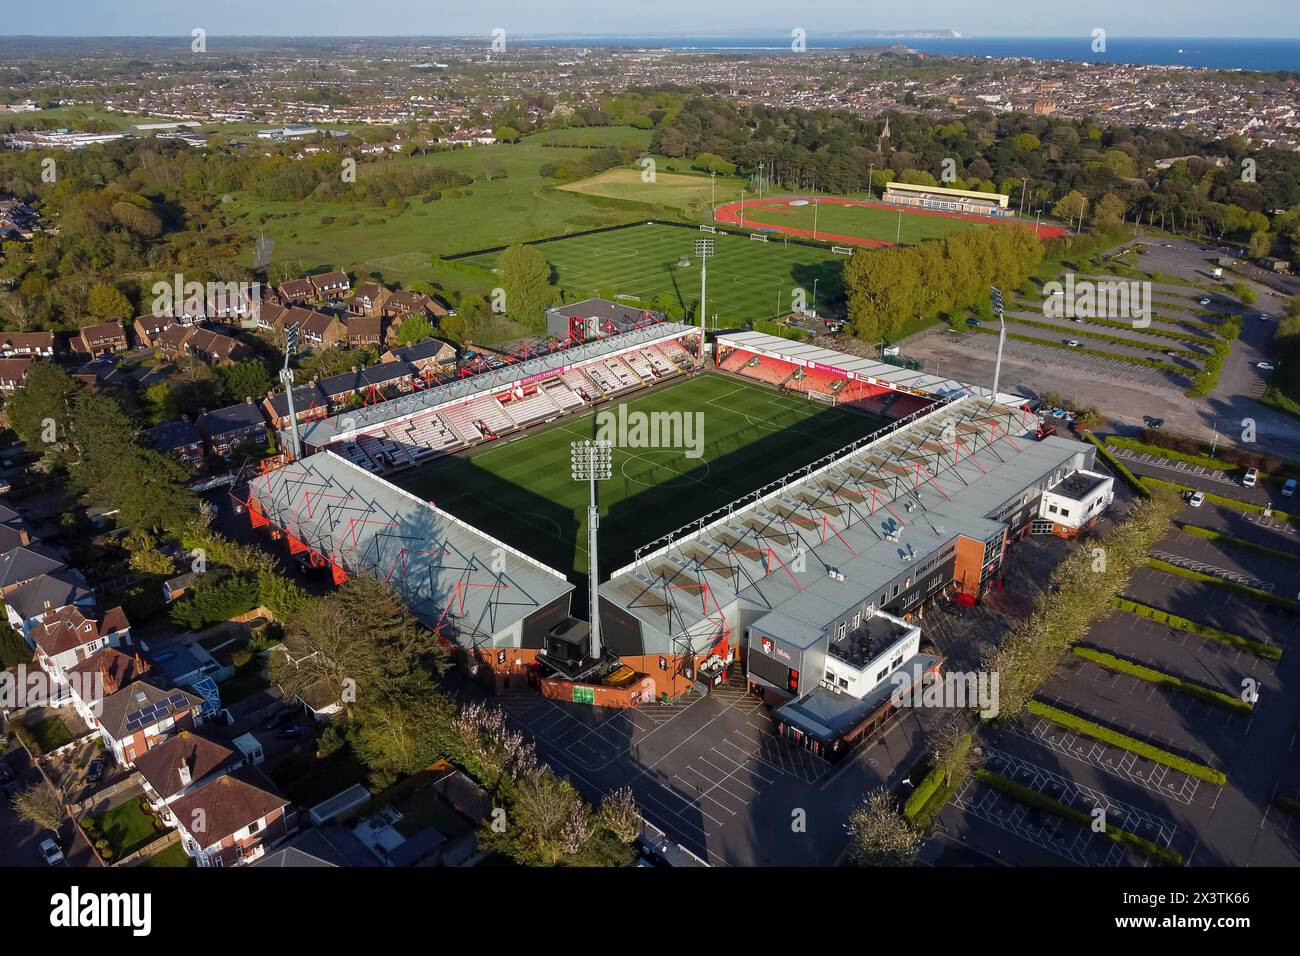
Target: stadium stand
point(532, 408)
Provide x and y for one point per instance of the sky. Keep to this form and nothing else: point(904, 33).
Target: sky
point(1148, 18)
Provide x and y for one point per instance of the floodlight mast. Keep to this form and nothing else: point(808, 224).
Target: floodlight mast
point(286, 376)
point(592, 461)
point(1002, 338)
point(703, 249)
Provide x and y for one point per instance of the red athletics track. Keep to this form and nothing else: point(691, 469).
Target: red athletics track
point(729, 214)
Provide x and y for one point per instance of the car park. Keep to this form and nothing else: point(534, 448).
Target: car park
point(1249, 478)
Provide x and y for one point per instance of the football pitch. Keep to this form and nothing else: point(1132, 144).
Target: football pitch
point(522, 492)
point(748, 280)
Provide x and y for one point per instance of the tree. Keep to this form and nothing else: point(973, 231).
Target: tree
point(107, 302)
point(619, 815)
point(950, 746)
point(414, 328)
point(39, 805)
point(1070, 206)
point(247, 379)
point(526, 278)
point(881, 837)
point(39, 411)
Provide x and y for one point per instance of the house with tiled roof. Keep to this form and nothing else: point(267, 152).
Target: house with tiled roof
point(103, 339)
point(320, 330)
point(296, 292)
point(331, 285)
point(142, 715)
point(32, 601)
point(226, 427)
point(178, 438)
point(213, 347)
point(233, 819)
point(364, 330)
point(71, 634)
point(180, 765)
point(20, 564)
point(100, 676)
point(369, 299)
point(27, 344)
point(13, 373)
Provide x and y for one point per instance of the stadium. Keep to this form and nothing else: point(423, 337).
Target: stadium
point(833, 499)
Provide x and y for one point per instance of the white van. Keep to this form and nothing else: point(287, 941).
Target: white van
point(1248, 480)
point(1197, 499)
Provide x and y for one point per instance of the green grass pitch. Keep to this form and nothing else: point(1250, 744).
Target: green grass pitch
point(522, 492)
point(748, 280)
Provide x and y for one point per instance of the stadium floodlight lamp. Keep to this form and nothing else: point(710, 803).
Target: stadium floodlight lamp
point(703, 247)
point(591, 460)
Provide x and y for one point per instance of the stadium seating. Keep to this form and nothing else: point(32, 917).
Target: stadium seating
point(820, 381)
point(562, 395)
point(532, 408)
point(582, 385)
point(460, 420)
point(640, 364)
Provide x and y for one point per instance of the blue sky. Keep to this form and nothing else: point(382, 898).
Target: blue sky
point(1267, 18)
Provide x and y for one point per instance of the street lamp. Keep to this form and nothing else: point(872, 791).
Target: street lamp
point(703, 249)
point(286, 376)
point(592, 461)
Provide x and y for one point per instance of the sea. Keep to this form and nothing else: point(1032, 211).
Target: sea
point(1223, 53)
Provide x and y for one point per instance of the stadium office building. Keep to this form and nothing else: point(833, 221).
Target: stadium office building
point(816, 584)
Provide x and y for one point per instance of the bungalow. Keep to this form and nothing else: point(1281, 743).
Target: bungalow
point(296, 292)
point(178, 438)
point(227, 427)
point(370, 298)
point(142, 715)
point(364, 330)
point(13, 373)
point(103, 339)
point(331, 285)
point(242, 814)
point(27, 345)
point(179, 766)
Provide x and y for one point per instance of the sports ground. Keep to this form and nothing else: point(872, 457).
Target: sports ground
point(522, 491)
point(748, 280)
point(853, 222)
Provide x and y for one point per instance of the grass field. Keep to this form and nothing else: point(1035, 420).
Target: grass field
point(522, 492)
point(834, 219)
point(669, 189)
point(747, 280)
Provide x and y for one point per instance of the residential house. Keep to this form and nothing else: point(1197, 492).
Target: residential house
point(364, 330)
point(227, 427)
point(100, 676)
point(296, 292)
point(142, 715)
point(232, 304)
point(147, 328)
point(309, 402)
point(178, 438)
point(331, 286)
point(319, 330)
point(103, 339)
point(430, 353)
point(270, 317)
point(179, 766)
point(27, 345)
point(213, 347)
point(32, 601)
point(72, 634)
point(22, 563)
point(242, 814)
point(370, 298)
point(176, 588)
point(171, 340)
point(13, 373)
point(13, 536)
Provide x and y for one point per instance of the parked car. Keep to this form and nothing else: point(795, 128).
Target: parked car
point(290, 733)
point(95, 771)
point(1203, 301)
point(281, 719)
point(50, 850)
point(1150, 422)
point(1263, 316)
point(1197, 499)
point(1249, 478)
point(1289, 488)
point(972, 321)
point(1072, 343)
point(1264, 366)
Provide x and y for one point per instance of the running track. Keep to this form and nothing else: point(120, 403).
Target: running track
point(729, 214)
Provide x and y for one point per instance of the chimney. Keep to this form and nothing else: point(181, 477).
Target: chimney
point(49, 605)
point(184, 771)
